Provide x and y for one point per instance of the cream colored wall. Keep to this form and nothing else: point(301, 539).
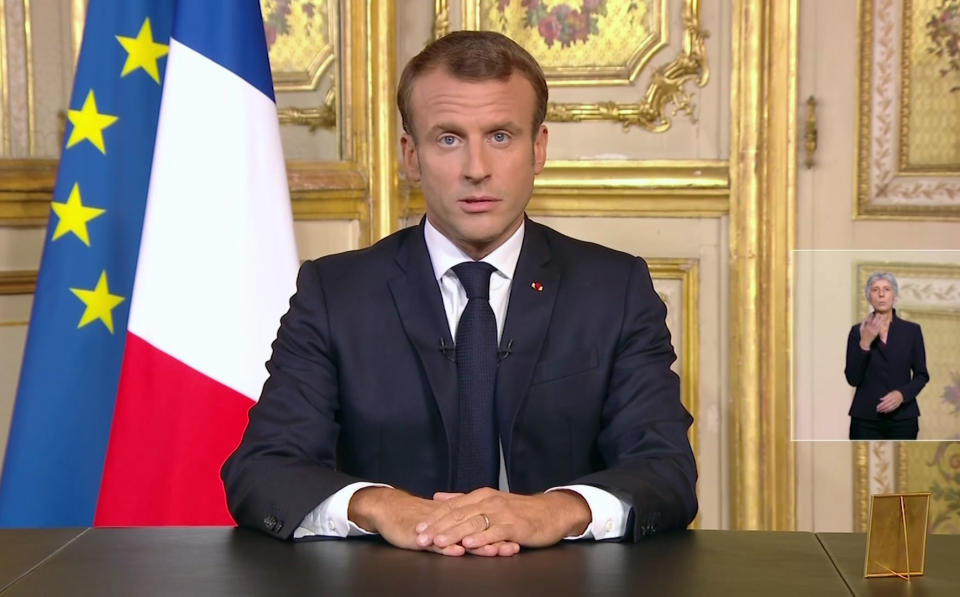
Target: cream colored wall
point(829, 242)
point(316, 238)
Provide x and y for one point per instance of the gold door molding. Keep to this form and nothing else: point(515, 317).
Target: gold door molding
point(908, 132)
point(4, 91)
point(17, 105)
point(617, 189)
point(762, 236)
point(677, 281)
point(18, 282)
point(26, 188)
point(685, 328)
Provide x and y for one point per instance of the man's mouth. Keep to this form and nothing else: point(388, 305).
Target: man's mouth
point(478, 203)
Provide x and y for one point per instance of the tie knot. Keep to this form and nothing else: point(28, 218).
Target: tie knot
point(475, 278)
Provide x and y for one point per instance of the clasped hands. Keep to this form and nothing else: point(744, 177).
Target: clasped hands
point(454, 524)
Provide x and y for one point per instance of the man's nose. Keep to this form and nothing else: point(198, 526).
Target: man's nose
point(476, 168)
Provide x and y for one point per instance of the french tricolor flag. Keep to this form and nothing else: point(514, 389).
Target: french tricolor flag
point(129, 423)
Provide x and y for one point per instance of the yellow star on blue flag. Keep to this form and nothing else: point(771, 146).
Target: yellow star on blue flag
point(142, 52)
point(74, 216)
point(99, 302)
point(61, 426)
point(88, 124)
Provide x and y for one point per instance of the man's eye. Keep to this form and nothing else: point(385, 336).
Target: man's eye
point(500, 137)
point(448, 140)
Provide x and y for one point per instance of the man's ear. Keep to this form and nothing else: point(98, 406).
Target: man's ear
point(540, 149)
point(409, 158)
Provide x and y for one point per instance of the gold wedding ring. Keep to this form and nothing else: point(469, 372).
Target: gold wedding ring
point(486, 521)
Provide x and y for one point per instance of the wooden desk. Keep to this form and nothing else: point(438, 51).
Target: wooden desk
point(22, 549)
point(224, 561)
point(941, 577)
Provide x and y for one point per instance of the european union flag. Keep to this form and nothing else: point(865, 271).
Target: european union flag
point(75, 345)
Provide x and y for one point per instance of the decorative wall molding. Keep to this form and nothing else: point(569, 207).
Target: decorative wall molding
point(290, 35)
point(762, 236)
point(687, 273)
point(886, 188)
point(618, 189)
point(323, 116)
point(26, 189)
point(327, 192)
point(17, 282)
point(666, 94)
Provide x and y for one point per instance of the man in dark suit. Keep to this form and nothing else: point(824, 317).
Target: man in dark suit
point(408, 377)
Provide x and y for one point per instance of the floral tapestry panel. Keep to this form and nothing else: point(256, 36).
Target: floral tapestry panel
point(934, 467)
point(579, 41)
point(299, 40)
point(930, 98)
point(908, 150)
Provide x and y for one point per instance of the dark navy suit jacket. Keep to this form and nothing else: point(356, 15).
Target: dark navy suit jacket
point(359, 388)
point(900, 364)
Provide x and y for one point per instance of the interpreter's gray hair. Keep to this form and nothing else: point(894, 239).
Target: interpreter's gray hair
point(881, 276)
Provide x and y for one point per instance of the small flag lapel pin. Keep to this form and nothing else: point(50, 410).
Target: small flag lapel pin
point(536, 286)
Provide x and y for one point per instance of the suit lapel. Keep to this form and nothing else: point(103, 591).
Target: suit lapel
point(420, 306)
point(533, 294)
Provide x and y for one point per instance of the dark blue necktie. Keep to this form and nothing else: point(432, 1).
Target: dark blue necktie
point(478, 460)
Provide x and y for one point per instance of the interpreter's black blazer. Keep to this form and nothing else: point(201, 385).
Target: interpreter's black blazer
point(887, 367)
point(360, 389)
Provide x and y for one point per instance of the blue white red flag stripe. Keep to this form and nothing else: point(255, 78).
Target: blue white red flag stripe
point(204, 282)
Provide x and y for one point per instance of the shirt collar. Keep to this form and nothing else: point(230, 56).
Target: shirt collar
point(444, 254)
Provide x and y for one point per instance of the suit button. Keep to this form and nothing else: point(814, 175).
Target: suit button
point(270, 522)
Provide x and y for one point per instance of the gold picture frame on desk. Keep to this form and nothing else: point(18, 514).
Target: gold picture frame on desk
point(897, 535)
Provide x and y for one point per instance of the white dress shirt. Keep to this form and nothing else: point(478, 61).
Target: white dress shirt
point(609, 513)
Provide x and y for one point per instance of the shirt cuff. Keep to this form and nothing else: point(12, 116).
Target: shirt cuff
point(329, 519)
point(608, 513)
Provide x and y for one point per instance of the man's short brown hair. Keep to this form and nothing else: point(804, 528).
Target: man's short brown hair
point(473, 56)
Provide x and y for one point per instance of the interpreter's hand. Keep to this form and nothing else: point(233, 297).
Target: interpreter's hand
point(486, 517)
point(890, 402)
point(869, 330)
point(394, 514)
